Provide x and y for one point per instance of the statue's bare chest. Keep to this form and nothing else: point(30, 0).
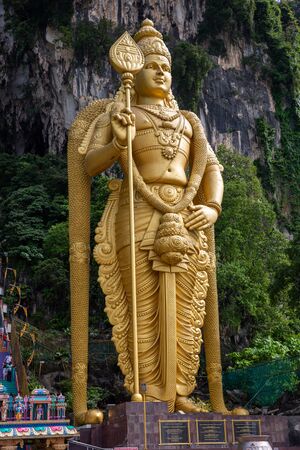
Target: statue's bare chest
point(166, 120)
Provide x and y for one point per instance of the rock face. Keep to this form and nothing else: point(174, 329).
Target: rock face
point(178, 18)
point(234, 97)
point(232, 102)
point(40, 95)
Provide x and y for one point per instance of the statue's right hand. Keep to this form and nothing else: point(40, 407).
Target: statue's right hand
point(119, 123)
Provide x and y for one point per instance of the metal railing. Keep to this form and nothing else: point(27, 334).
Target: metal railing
point(77, 445)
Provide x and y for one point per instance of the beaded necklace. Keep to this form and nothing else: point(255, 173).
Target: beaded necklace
point(199, 164)
point(160, 112)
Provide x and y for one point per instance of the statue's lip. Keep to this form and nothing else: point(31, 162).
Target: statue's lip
point(159, 79)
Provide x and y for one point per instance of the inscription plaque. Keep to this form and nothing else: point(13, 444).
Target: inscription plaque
point(245, 428)
point(211, 432)
point(174, 432)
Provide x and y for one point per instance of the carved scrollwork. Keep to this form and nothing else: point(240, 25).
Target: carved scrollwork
point(79, 252)
point(214, 373)
point(171, 242)
point(116, 305)
point(105, 249)
point(79, 373)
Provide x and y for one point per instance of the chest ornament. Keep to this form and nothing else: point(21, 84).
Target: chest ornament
point(167, 137)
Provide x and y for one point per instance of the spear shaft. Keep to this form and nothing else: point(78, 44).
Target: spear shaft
point(127, 80)
point(127, 58)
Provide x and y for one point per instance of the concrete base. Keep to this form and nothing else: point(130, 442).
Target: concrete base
point(125, 427)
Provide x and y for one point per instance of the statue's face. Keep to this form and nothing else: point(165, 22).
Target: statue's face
point(155, 79)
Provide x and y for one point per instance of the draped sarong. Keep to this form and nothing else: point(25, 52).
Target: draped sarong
point(170, 302)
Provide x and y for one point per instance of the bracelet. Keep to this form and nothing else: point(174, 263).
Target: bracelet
point(214, 205)
point(118, 146)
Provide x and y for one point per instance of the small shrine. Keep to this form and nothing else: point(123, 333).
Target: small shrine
point(40, 404)
point(34, 418)
point(61, 407)
point(27, 421)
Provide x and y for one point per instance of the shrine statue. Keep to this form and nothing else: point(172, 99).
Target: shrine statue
point(177, 195)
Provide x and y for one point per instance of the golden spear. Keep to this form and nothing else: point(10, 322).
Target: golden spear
point(126, 58)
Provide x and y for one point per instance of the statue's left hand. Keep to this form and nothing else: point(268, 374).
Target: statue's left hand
point(201, 217)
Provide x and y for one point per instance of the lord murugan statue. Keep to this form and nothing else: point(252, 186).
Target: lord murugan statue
point(177, 195)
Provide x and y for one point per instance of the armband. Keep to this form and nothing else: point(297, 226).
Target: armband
point(214, 205)
point(118, 146)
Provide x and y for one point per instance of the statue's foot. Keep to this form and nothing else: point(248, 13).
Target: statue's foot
point(187, 405)
point(91, 416)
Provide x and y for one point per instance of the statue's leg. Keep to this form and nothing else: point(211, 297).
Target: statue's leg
point(147, 313)
point(191, 293)
point(147, 283)
point(156, 297)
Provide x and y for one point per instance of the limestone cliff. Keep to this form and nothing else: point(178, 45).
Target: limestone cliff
point(41, 91)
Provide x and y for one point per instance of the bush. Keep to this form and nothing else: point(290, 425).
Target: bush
point(92, 41)
point(190, 66)
point(266, 349)
point(265, 370)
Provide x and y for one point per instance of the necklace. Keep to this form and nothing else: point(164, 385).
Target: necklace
point(161, 112)
point(199, 164)
point(169, 140)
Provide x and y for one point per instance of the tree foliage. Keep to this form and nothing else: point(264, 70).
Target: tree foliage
point(266, 349)
point(190, 65)
point(92, 41)
point(252, 255)
point(232, 16)
point(28, 19)
point(34, 232)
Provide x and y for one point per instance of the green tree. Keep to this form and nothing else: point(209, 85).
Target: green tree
point(51, 280)
point(99, 197)
point(251, 253)
point(92, 41)
point(56, 241)
point(26, 212)
point(28, 19)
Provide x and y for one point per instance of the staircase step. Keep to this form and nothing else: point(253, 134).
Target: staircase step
point(11, 387)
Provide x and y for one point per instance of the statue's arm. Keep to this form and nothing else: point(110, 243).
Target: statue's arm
point(99, 159)
point(102, 151)
point(207, 203)
point(109, 139)
point(212, 183)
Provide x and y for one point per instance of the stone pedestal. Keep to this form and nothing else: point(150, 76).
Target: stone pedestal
point(11, 444)
point(125, 426)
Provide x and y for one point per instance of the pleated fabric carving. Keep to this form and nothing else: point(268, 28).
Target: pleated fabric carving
point(110, 280)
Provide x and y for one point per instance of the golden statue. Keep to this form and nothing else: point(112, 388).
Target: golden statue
point(177, 194)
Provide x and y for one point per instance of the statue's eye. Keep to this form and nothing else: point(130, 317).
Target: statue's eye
point(166, 69)
point(149, 66)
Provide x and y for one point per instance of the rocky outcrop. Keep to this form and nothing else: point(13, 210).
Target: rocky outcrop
point(234, 96)
point(40, 95)
point(231, 103)
point(176, 18)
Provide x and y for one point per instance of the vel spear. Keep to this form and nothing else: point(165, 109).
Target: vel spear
point(126, 58)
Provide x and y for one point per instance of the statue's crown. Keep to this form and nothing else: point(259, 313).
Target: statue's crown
point(151, 41)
